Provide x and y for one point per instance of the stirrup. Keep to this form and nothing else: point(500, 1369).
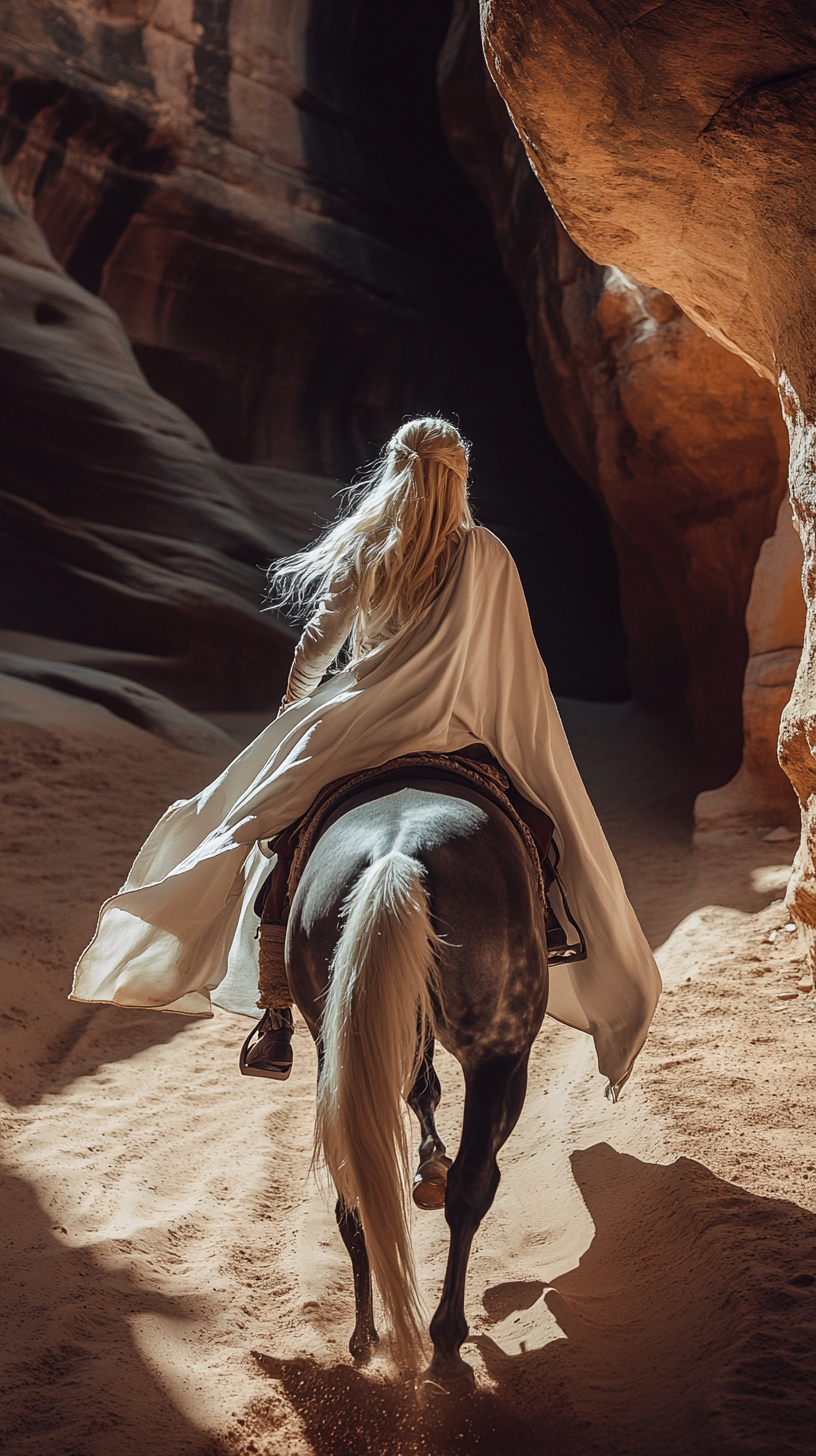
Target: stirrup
point(274, 1059)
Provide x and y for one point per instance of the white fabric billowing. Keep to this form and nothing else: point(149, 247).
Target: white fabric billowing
point(181, 931)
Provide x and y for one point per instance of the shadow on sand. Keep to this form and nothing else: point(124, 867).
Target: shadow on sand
point(74, 1382)
point(49, 1046)
point(345, 1412)
point(688, 1328)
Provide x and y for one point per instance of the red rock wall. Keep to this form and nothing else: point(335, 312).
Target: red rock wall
point(262, 207)
point(677, 143)
point(185, 165)
point(760, 794)
point(681, 439)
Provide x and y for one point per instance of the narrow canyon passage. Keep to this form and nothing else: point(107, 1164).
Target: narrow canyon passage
point(239, 243)
point(297, 263)
point(173, 1279)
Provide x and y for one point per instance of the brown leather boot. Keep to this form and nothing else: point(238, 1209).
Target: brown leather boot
point(271, 1054)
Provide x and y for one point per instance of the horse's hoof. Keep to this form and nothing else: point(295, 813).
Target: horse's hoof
point(430, 1181)
point(361, 1349)
point(454, 1382)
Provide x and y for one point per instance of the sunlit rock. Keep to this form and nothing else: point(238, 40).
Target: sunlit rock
point(676, 143)
point(681, 440)
point(760, 793)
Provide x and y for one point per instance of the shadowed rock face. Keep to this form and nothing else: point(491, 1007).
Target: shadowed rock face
point(215, 172)
point(676, 142)
point(682, 441)
point(128, 701)
point(267, 203)
point(119, 524)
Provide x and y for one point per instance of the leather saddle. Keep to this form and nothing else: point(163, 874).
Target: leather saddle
point(474, 766)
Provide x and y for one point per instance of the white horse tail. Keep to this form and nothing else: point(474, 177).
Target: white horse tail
point(379, 995)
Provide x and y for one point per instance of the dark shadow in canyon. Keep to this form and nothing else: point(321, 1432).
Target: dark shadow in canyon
point(363, 110)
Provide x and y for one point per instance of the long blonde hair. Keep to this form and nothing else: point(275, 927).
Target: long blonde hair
point(408, 506)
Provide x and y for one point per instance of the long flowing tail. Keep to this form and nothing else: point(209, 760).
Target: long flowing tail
point(379, 988)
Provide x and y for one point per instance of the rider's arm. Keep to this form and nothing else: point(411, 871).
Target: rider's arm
point(322, 639)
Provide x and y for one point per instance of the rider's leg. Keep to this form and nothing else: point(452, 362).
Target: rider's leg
point(267, 1051)
point(541, 828)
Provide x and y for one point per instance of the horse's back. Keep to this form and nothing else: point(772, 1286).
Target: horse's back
point(483, 897)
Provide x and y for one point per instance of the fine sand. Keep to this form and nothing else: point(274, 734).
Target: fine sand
point(172, 1279)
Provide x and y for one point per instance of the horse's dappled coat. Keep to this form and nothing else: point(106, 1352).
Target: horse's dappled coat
point(181, 932)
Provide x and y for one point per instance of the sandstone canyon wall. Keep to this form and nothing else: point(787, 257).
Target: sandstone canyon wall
point(676, 143)
point(185, 162)
point(680, 438)
point(264, 199)
point(121, 527)
point(759, 794)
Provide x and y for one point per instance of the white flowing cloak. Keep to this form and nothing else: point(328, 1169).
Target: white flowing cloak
point(180, 934)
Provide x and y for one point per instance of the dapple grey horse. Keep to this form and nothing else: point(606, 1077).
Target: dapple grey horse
point(417, 917)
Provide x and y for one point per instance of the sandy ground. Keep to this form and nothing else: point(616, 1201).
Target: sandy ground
point(172, 1281)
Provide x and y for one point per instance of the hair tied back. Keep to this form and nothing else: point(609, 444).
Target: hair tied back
point(411, 503)
point(405, 452)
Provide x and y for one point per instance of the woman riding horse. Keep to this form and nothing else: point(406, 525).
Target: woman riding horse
point(421, 904)
point(441, 658)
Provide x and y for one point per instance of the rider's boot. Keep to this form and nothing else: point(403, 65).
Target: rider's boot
point(271, 1054)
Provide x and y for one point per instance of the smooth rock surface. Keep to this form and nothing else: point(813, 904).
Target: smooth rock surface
point(45, 708)
point(682, 441)
point(120, 526)
point(676, 142)
point(760, 793)
point(126, 700)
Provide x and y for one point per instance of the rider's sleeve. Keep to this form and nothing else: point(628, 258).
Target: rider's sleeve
point(322, 639)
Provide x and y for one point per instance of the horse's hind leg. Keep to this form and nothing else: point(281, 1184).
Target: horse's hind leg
point(423, 1099)
point(493, 1102)
point(365, 1336)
